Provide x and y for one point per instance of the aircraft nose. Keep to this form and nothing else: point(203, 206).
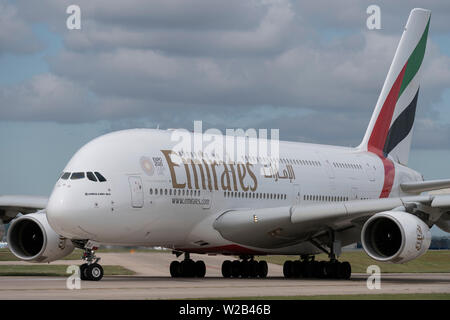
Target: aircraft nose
point(63, 213)
point(56, 210)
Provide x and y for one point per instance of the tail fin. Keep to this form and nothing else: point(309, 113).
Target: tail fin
point(390, 128)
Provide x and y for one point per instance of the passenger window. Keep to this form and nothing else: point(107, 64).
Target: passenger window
point(91, 176)
point(65, 175)
point(77, 176)
point(100, 177)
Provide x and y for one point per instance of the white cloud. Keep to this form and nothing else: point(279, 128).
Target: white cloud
point(15, 35)
point(176, 61)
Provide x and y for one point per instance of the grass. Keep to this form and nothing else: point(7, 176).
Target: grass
point(388, 296)
point(53, 270)
point(6, 255)
point(431, 262)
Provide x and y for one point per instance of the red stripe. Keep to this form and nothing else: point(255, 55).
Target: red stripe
point(228, 249)
point(381, 128)
point(389, 176)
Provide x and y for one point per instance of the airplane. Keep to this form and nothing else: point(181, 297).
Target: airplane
point(135, 188)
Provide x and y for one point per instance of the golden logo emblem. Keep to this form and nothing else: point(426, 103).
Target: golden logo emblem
point(147, 166)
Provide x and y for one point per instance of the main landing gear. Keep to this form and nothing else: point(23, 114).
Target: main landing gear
point(187, 268)
point(91, 270)
point(245, 268)
point(307, 267)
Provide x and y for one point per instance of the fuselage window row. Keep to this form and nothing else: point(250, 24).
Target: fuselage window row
point(343, 165)
point(324, 198)
point(173, 192)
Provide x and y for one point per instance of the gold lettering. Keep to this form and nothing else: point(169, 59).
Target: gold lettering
point(242, 175)
point(195, 175)
point(252, 175)
point(202, 175)
point(172, 166)
point(188, 175)
point(226, 185)
point(234, 177)
point(213, 169)
point(208, 175)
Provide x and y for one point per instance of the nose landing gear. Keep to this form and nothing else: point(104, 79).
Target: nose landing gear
point(91, 270)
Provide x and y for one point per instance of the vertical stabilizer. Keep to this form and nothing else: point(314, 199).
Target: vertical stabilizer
point(390, 128)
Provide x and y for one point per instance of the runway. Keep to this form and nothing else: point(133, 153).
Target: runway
point(152, 282)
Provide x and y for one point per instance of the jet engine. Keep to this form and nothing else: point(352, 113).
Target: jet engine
point(395, 236)
point(30, 238)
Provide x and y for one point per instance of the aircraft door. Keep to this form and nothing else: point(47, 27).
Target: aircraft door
point(328, 167)
point(137, 191)
point(354, 194)
point(370, 171)
point(296, 195)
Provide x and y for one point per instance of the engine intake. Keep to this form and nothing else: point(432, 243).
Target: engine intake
point(395, 236)
point(30, 238)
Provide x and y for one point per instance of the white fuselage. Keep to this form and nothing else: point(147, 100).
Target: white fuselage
point(149, 201)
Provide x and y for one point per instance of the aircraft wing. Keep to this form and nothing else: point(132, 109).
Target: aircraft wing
point(422, 186)
point(12, 205)
point(282, 226)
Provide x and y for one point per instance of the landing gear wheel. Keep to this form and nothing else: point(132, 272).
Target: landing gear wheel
point(253, 268)
point(319, 269)
point(200, 269)
point(263, 269)
point(227, 269)
point(175, 271)
point(345, 271)
point(187, 268)
point(245, 269)
point(297, 269)
point(94, 272)
point(287, 269)
point(236, 268)
point(83, 269)
point(307, 269)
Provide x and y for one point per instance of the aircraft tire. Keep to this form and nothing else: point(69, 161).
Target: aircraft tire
point(227, 269)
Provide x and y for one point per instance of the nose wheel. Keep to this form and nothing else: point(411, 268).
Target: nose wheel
point(91, 270)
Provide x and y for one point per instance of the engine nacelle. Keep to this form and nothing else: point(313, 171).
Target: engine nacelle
point(395, 236)
point(30, 238)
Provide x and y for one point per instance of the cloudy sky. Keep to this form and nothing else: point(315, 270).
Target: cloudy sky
point(311, 69)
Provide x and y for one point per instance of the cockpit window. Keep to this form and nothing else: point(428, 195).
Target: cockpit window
point(65, 175)
point(77, 175)
point(91, 176)
point(100, 177)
